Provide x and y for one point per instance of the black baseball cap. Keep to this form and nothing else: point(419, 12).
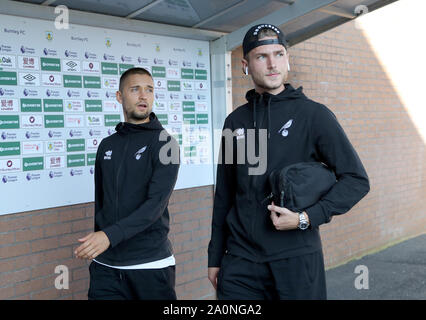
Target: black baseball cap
point(252, 41)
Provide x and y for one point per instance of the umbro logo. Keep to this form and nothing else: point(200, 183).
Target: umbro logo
point(283, 130)
point(29, 77)
point(138, 153)
point(71, 64)
point(108, 155)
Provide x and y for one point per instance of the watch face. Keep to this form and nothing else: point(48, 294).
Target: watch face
point(303, 226)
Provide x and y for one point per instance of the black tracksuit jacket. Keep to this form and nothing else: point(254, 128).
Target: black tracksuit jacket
point(300, 130)
point(132, 190)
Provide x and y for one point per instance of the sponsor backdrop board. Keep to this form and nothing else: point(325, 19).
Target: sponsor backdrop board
point(57, 102)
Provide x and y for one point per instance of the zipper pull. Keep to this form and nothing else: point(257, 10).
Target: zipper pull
point(269, 197)
point(282, 199)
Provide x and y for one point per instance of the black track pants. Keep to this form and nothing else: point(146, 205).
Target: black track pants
point(301, 277)
point(146, 284)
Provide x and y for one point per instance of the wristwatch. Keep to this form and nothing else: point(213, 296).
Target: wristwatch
point(303, 223)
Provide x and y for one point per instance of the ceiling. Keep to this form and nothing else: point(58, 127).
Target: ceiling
point(299, 19)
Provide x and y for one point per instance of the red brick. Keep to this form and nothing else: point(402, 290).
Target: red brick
point(29, 234)
point(7, 238)
point(57, 229)
point(44, 244)
point(14, 250)
point(9, 278)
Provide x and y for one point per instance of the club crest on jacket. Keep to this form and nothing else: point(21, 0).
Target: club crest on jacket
point(138, 153)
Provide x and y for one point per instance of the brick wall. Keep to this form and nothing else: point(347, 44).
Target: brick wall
point(33, 243)
point(339, 69)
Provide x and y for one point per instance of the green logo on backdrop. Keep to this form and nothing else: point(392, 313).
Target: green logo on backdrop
point(9, 122)
point(76, 160)
point(173, 85)
point(8, 78)
point(50, 64)
point(92, 82)
point(200, 74)
point(71, 81)
point(158, 72)
point(189, 118)
point(163, 118)
point(202, 118)
point(188, 106)
point(31, 105)
point(53, 105)
point(123, 67)
point(91, 159)
point(54, 121)
point(10, 148)
point(187, 73)
point(111, 120)
point(109, 68)
point(30, 164)
point(74, 145)
point(93, 105)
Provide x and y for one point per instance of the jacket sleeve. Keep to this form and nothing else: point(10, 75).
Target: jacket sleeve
point(160, 188)
point(223, 202)
point(335, 150)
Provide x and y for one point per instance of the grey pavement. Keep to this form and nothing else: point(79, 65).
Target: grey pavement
point(397, 272)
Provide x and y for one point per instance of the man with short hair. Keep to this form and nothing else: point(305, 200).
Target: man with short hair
point(132, 255)
point(260, 250)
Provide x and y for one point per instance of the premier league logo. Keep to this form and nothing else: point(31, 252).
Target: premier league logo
point(48, 93)
point(3, 135)
point(29, 176)
point(22, 49)
point(45, 51)
point(4, 179)
point(1, 91)
point(51, 174)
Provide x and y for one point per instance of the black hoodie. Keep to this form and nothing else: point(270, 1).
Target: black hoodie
point(132, 190)
point(299, 130)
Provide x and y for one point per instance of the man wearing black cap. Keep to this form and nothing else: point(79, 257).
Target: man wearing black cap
point(261, 251)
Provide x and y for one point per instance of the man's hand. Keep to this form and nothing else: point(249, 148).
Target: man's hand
point(212, 275)
point(287, 220)
point(93, 245)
